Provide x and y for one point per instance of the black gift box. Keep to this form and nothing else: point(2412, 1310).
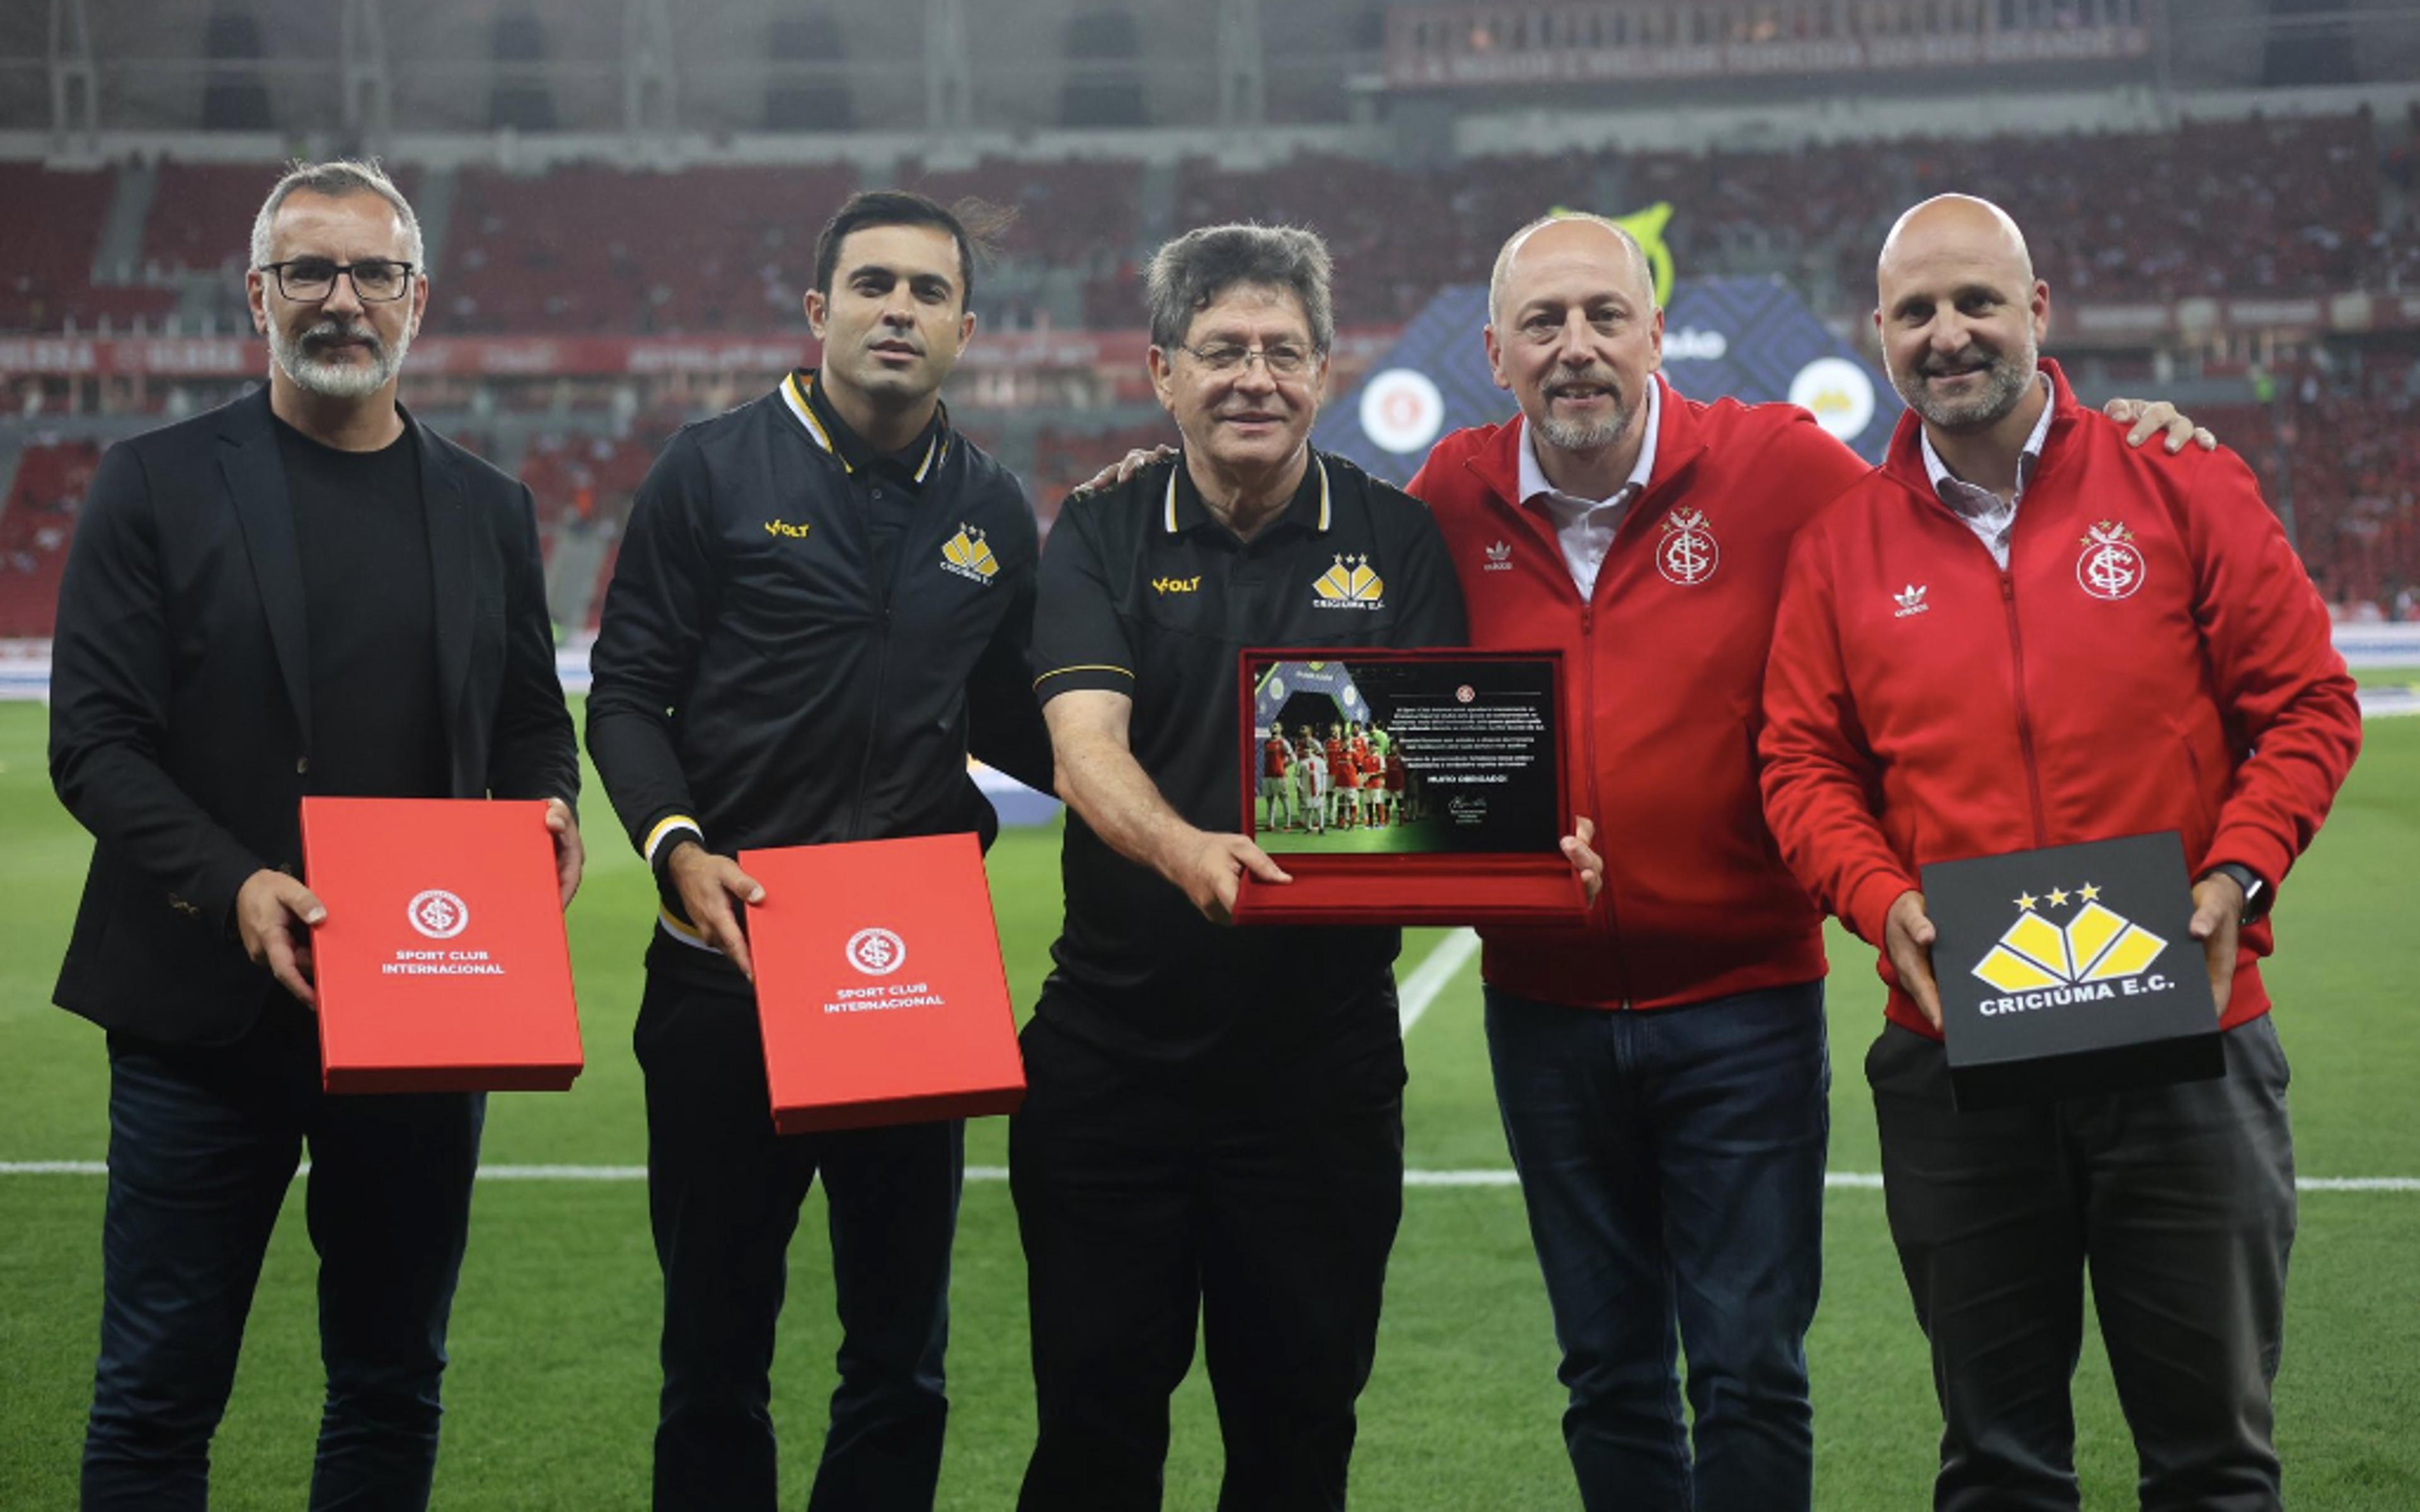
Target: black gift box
point(2070, 970)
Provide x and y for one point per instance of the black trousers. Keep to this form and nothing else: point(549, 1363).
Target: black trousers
point(1262, 1206)
point(203, 1143)
point(2180, 1203)
point(724, 1191)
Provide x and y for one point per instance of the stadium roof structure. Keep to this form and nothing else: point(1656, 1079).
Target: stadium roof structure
point(357, 72)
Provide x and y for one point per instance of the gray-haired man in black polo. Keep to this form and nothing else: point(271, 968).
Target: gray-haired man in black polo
point(1214, 1124)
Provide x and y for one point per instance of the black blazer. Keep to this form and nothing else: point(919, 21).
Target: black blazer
point(180, 700)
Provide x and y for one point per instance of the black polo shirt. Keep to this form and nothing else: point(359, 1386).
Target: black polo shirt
point(1144, 592)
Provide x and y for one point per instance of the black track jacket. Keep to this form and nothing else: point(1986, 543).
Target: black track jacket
point(755, 684)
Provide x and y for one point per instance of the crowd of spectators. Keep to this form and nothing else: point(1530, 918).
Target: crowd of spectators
point(2252, 207)
point(2249, 208)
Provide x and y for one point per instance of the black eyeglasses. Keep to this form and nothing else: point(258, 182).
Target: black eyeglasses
point(309, 280)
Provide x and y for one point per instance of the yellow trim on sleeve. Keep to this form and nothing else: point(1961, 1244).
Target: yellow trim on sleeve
point(1087, 667)
point(669, 821)
point(674, 927)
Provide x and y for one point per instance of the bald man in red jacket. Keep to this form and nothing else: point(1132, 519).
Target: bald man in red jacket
point(2016, 634)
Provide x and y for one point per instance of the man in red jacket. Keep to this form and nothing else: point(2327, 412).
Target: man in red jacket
point(2147, 655)
point(1672, 1161)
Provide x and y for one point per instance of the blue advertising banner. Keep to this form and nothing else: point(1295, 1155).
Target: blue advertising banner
point(1752, 339)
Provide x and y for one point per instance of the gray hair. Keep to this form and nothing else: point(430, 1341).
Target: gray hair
point(335, 178)
point(1503, 270)
point(1188, 274)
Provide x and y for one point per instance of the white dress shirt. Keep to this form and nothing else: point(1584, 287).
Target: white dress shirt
point(1585, 527)
point(1989, 515)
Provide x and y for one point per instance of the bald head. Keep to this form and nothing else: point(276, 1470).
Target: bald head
point(1567, 239)
point(1960, 224)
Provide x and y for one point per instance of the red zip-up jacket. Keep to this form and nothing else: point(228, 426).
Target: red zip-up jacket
point(2153, 657)
point(1664, 662)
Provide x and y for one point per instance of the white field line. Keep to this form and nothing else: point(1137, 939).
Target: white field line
point(1444, 961)
point(1862, 1181)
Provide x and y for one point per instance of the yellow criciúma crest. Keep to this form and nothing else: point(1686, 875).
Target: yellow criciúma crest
point(970, 556)
point(2097, 945)
point(1350, 582)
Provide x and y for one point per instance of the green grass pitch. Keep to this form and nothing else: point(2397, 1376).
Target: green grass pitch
point(551, 1397)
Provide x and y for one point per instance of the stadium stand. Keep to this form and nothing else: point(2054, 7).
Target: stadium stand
point(586, 250)
point(46, 268)
point(2303, 207)
point(35, 524)
point(2246, 208)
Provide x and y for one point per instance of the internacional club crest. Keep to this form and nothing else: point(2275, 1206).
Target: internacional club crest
point(437, 914)
point(876, 952)
point(1689, 553)
point(968, 555)
point(1349, 583)
point(2111, 566)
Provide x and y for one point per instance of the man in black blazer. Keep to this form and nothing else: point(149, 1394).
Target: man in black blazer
point(305, 592)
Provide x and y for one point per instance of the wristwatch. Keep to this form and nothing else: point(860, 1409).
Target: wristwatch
point(2256, 892)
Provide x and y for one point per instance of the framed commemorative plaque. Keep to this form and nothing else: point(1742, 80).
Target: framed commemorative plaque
point(1406, 787)
point(2070, 970)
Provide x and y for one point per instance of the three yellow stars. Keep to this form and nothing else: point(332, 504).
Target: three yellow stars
point(2058, 897)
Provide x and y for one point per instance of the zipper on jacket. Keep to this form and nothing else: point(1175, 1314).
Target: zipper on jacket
point(2024, 716)
point(881, 673)
point(1588, 756)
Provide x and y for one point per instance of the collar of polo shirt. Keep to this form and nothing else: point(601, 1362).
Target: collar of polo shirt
point(1182, 508)
point(824, 425)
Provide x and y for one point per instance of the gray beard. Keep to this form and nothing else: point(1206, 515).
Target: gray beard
point(2006, 383)
point(337, 380)
point(1566, 436)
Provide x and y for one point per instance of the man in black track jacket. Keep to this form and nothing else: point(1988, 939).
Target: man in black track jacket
point(823, 601)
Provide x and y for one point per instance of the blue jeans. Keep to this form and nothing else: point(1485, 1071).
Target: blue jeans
point(203, 1144)
point(1672, 1161)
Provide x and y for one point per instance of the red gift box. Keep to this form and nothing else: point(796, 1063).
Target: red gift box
point(879, 985)
point(442, 966)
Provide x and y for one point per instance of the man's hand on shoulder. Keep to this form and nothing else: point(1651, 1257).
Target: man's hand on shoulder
point(1121, 470)
point(1907, 939)
point(569, 858)
point(2157, 417)
point(1210, 869)
point(275, 914)
point(711, 886)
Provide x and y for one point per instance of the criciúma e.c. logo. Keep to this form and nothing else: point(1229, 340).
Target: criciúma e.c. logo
point(2095, 953)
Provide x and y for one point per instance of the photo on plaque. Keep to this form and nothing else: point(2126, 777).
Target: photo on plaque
point(1380, 755)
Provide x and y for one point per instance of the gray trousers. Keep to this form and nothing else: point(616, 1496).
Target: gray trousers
point(2179, 1200)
